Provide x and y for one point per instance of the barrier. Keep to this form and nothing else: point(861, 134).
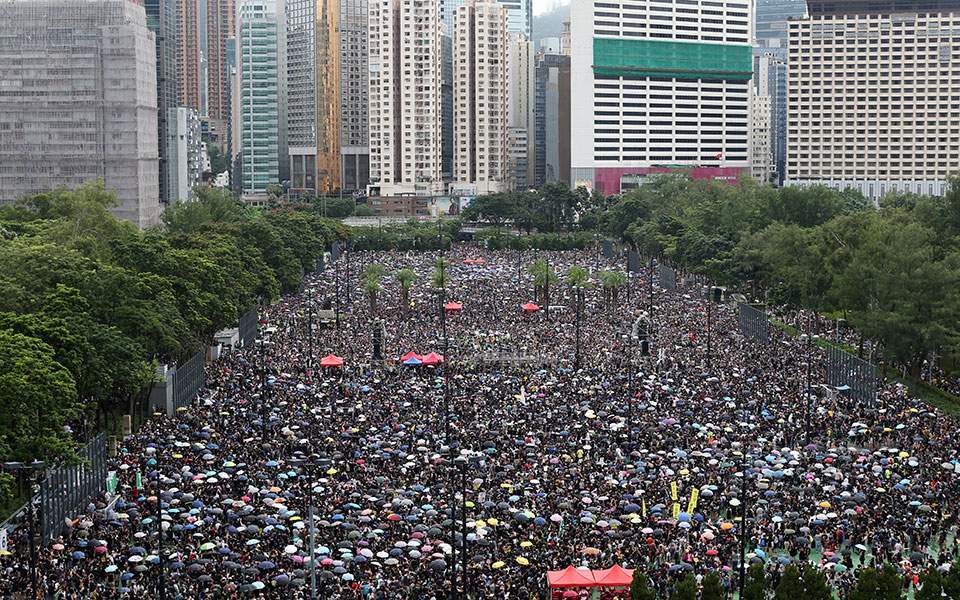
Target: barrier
point(851, 375)
point(248, 326)
point(668, 277)
point(67, 489)
point(754, 323)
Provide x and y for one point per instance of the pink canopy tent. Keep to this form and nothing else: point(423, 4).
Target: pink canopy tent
point(530, 307)
point(433, 359)
point(570, 577)
point(331, 361)
point(614, 577)
point(410, 355)
point(452, 307)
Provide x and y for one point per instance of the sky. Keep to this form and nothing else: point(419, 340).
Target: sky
point(542, 6)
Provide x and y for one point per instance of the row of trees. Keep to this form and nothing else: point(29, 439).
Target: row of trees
point(554, 207)
point(90, 305)
point(892, 271)
point(808, 583)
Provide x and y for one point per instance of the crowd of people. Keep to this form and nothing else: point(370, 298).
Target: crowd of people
point(659, 460)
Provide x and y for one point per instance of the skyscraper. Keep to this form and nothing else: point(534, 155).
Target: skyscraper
point(520, 110)
point(188, 52)
point(221, 26)
point(354, 140)
point(481, 97)
point(666, 86)
point(770, 80)
point(79, 101)
point(313, 101)
point(552, 110)
point(873, 96)
point(261, 64)
point(405, 106)
point(162, 21)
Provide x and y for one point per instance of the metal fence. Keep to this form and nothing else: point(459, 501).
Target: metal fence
point(754, 323)
point(335, 250)
point(607, 246)
point(668, 277)
point(67, 489)
point(851, 375)
point(633, 261)
point(187, 381)
point(248, 326)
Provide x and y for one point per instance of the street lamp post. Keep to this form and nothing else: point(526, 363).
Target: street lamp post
point(709, 311)
point(34, 468)
point(743, 538)
point(579, 294)
point(162, 591)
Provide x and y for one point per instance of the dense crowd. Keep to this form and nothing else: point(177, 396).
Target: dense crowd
point(557, 466)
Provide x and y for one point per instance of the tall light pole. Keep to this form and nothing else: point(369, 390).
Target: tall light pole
point(743, 537)
point(709, 309)
point(578, 291)
point(33, 468)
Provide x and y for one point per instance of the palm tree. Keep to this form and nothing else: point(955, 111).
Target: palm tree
point(441, 274)
point(612, 281)
point(543, 276)
point(406, 278)
point(372, 275)
point(578, 279)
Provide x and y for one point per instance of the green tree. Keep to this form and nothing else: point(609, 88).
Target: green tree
point(951, 583)
point(815, 585)
point(640, 586)
point(372, 275)
point(579, 279)
point(755, 587)
point(612, 282)
point(685, 589)
point(872, 584)
point(931, 586)
point(37, 398)
point(219, 162)
point(543, 277)
point(712, 588)
point(790, 586)
point(441, 274)
point(405, 277)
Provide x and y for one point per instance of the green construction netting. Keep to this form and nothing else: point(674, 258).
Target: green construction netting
point(664, 58)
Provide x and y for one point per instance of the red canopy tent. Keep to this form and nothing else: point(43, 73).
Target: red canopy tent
point(433, 359)
point(331, 361)
point(452, 307)
point(409, 355)
point(570, 577)
point(615, 576)
point(529, 307)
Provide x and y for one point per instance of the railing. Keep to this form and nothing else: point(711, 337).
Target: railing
point(69, 488)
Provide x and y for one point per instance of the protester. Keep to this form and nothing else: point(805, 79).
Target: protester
point(563, 466)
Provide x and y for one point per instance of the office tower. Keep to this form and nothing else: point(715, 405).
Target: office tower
point(313, 101)
point(261, 64)
point(221, 26)
point(770, 29)
point(762, 167)
point(770, 80)
point(404, 89)
point(354, 140)
point(480, 94)
point(185, 151)
point(85, 106)
point(666, 85)
point(520, 118)
point(162, 21)
point(188, 52)
point(873, 97)
point(552, 114)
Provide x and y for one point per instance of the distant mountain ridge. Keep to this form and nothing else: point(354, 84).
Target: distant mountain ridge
point(550, 24)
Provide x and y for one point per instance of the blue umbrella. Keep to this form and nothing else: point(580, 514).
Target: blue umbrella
point(78, 555)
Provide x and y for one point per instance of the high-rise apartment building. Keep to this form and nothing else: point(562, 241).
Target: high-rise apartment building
point(552, 110)
point(520, 110)
point(188, 52)
point(162, 21)
point(481, 98)
point(405, 103)
point(874, 96)
point(761, 138)
point(185, 152)
point(313, 99)
point(354, 139)
point(221, 27)
point(261, 65)
point(666, 86)
point(770, 81)
point(78, 101)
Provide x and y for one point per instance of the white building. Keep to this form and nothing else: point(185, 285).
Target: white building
point(186, 153)
point(873, 97)
point(481, 98)
point(78, 102)
point(404, 91)
point(762, 167)
point(660, 85)
point(521, 81)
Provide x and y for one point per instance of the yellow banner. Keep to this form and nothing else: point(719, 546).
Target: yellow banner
point(644, 506)
point(673, 491)
point(676, 510)
point(694, 497)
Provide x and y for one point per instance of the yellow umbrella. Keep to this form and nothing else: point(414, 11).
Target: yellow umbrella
point(5, 553)
point(470, 504)
point(824, 504)
point(526, 544)
point(331, 471)
point(522, 561)
point(493, 521)
point(480, 523)
point(498, 565)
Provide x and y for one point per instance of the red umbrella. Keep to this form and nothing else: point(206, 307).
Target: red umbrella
point(410, 355)
point(433, 359)
point(452, 306)
point(529, 307)
point(331, 361)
